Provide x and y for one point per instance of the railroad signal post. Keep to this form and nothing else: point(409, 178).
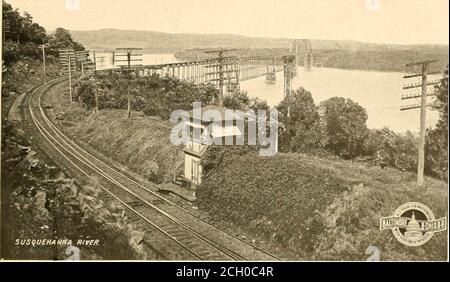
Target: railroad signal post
point(423, 73)
point(43, 46)
point(82, 57)
point(67, 61)
point(7, 29)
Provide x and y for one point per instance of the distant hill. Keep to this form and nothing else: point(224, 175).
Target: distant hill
point(347, 54)
point(108, 39)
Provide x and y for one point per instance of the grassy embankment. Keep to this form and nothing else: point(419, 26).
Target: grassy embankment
point(320, 209)
point(141, 142)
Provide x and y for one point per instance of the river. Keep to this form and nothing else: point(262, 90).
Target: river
point(378, 92)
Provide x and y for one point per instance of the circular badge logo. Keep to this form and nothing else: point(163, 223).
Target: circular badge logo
point(413, 231)
point(413, 224)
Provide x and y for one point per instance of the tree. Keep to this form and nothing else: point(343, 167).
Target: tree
point(22, 27)
point(303, 131)
point(345, 126)
point(436, 147)
point(63, 39)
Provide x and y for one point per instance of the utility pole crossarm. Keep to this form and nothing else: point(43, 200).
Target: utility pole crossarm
point(130, 54)
point(415, 96)
point(419, 74)
point(221, 63)
point(423, 110)
point(419, 85)
point(412, 107)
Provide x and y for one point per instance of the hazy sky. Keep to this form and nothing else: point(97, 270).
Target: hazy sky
point(385, 21)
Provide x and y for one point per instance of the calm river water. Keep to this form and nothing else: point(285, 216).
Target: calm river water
point(378, 92)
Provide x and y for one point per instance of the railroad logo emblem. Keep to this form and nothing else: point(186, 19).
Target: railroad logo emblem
point(413, 224)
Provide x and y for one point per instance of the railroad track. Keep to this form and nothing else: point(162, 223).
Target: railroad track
point(195, 237)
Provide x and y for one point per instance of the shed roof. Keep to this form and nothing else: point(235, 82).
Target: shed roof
point(218, 109)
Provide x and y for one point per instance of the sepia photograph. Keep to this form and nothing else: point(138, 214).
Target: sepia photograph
point(258, 131)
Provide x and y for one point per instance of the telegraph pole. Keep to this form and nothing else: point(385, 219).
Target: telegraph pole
point(130, 57)
point(128, 86)
point(70, 80)
point(220, 61)
point(288, 62)
point(423, 73)
point(67, 60)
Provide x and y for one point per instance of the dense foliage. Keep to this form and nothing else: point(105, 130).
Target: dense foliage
point(318, 209)
point(273, 197)
point(303, 132)
point(21, 57)
point(23, 37)
point(61, 39)
point(153, 95)
point(436, 149)
point(338, 127)
point(345, 126)
point(22, 29)
point(392, 149)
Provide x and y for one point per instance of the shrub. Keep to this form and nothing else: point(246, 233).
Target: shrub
point(391, 149)
point(436, 149)
point(277, 197)
point(154, 95)
point(345, 126)
point(303, 133)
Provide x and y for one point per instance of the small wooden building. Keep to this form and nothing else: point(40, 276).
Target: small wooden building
point(195, 147)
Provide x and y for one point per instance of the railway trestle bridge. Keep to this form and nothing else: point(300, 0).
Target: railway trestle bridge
point(230, 70)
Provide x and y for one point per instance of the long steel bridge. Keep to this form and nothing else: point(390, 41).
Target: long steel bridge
point(230, 69)
point(209, 70)
point(224, 71)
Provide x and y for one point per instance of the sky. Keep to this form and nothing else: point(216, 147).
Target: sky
point(381, 21)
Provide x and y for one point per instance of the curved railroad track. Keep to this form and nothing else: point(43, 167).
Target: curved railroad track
point(195, 237)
